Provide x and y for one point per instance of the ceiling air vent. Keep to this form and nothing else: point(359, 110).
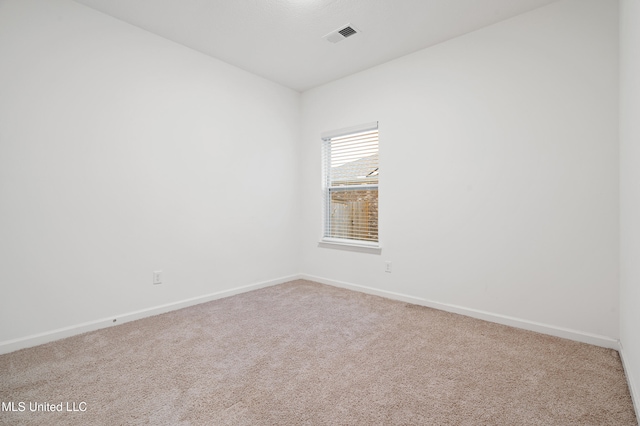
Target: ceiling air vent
point(341, 33)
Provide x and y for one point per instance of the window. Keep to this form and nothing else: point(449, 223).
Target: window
point(350, 179)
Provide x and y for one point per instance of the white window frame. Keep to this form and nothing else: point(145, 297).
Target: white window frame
point(327, 241)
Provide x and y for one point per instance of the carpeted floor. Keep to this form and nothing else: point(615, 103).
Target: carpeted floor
point(306, 353)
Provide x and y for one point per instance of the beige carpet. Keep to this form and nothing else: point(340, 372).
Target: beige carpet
point(305, 353)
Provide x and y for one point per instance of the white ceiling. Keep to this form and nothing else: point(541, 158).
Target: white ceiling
point(281, 40)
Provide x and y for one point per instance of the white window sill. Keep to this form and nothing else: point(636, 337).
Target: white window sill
point(373, 248)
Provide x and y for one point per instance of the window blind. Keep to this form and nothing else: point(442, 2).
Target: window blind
point(351, 174)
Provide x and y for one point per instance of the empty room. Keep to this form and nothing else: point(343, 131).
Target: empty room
point(274, 212)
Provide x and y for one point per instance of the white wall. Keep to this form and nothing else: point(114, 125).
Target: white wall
point(630, 191)
point(122, 153)
point(499, 171)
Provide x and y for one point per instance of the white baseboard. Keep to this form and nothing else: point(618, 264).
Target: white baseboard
point(633, 390)
point(566, 333)
point(60, 333)
point(49, 336)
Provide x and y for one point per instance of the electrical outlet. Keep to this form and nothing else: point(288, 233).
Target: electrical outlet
point(387, 267)
point(157, 277)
